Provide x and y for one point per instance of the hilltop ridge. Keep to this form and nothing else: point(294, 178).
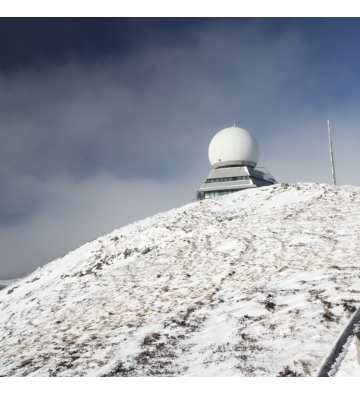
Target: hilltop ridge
point(256, 283)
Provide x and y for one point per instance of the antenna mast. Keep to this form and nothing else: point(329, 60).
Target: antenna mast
point(331, 154)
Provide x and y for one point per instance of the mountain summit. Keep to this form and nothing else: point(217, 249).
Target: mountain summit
point(256, 283)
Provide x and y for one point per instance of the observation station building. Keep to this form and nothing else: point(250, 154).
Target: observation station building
point(233, 154)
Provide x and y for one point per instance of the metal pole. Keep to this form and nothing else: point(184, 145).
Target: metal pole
point(331, 154)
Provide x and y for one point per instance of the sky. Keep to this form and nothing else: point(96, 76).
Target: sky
point(107, 121)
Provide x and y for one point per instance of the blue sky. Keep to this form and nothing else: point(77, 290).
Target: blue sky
point(107, 121)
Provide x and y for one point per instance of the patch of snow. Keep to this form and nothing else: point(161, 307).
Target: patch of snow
point(7, 282)
point(347, 364)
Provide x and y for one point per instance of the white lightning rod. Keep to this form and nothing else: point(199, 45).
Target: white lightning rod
point(331, 154)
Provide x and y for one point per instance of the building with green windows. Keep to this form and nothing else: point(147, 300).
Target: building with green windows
point(233, 154)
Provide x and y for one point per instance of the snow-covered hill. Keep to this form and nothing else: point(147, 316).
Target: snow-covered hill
point(257, 283)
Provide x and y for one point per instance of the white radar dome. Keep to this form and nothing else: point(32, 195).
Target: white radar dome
point(233, 147)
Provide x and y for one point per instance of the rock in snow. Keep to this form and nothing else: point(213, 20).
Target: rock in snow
point(256, 283)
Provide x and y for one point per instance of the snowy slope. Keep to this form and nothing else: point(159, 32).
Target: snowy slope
point(257, 283)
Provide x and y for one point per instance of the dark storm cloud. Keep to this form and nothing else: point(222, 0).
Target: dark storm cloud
point(90, 143)
point(28, 42)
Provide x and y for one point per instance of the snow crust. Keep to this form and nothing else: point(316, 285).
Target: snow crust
point(256, 283)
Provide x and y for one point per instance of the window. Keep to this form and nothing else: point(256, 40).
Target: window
point(224, 179)
point(262, 182)
point(212, 194)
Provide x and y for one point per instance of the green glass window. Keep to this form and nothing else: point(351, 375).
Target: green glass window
point(224, 179)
